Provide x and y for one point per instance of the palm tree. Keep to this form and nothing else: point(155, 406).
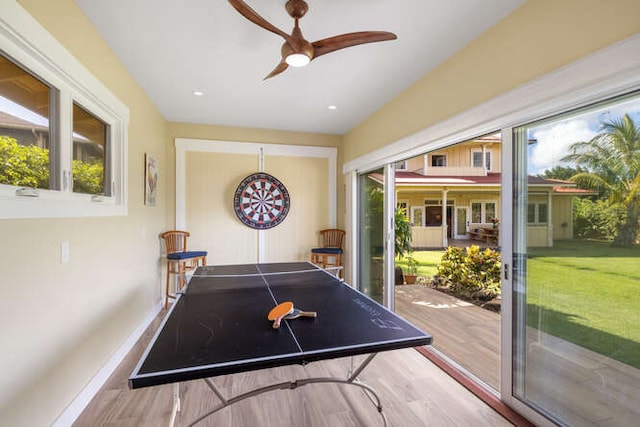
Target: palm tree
point(612, 162)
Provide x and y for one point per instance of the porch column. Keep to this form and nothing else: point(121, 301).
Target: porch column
point(445, 240)
point(484, 160)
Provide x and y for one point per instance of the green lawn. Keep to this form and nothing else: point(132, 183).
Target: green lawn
point(588, 293)
point(427, 262)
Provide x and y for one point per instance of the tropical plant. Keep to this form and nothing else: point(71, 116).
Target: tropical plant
point(412, 264)
point(612, 160)
point(471, 272)
point(403, 233)
point(561, 172)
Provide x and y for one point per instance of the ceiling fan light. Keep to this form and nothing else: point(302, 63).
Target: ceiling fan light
point(297, 60)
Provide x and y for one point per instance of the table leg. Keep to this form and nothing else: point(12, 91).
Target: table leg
point(176, 404)
point(291, 385)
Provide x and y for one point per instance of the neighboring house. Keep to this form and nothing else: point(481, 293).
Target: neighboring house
point(454, 193)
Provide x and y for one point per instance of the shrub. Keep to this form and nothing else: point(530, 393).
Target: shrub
point(471, 272)
point(23, 165)
point(596, 219)
point(28, 166)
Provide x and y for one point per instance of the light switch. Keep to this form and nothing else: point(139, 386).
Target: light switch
point(64, 252)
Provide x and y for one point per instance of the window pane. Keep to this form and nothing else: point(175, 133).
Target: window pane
point(542, 213)
point(477, 159)
point(476, 212)
point(531, 213)
point(401, 165)
point(434, 215)
point(89, 152)
point(25, 143)
point(438, 160)
point(489, 212)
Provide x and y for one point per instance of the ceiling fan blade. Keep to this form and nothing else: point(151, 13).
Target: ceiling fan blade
point(331, 44)
point(253, 16)
point(282, 66)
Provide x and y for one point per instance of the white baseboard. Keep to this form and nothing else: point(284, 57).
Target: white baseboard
point(75, 408)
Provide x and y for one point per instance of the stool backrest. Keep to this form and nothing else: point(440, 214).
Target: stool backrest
point(175, 240)
point(332, 238)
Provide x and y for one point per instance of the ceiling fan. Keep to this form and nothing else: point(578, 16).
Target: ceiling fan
point(296, 50)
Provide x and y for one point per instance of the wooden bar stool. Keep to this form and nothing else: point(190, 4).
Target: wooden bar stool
point(179, 260)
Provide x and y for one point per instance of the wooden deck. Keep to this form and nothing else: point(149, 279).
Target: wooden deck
point(466, 333)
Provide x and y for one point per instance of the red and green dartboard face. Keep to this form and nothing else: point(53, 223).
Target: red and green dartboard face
point(261, 201)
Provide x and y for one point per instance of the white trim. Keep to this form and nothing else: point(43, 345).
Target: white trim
point(423, 212)
point(608, 73)
point(185, 145)
point(611, 71)
point(75, 408)
point(389, 236)
point(24, 40)
point(351, 181)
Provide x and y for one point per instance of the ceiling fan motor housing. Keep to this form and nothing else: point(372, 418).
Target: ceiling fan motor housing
point(297, 8)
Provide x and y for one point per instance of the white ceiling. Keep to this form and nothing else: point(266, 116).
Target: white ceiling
point(173, 48)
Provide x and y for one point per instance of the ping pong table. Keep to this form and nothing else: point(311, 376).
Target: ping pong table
point(218, 325)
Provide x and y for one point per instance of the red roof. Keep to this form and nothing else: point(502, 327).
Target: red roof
point(406, 179)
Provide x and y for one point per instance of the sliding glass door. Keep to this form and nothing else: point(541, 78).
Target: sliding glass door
point(576, 276)
point(373, 234)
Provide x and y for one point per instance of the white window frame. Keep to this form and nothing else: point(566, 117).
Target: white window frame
point(27, 43)
point(487, 158)
point(483, 210)
point(401, 165)
point(446, 160)
point(536, 214)
point(422, 210)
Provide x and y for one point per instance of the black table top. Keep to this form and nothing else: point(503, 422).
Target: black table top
point(219, 324)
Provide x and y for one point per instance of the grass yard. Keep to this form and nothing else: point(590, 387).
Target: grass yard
point(427, 262)
point(588, 293)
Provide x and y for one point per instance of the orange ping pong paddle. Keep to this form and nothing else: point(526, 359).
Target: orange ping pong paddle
point(279, 312)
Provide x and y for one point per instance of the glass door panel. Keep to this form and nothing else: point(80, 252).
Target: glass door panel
point(577, 265)
point(371, 235)
point(461, 222)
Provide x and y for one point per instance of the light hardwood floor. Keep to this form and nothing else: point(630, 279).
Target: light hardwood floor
point(414, 392)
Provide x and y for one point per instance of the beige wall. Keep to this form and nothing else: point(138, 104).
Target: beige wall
point(269, 136)
point(211, 183)
point(537, 38)
point(59, 323)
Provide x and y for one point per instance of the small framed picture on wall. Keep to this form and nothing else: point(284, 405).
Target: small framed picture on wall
point(150, 179)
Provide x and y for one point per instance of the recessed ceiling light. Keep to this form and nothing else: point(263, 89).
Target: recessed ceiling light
point(332, 107)
point(198, 93)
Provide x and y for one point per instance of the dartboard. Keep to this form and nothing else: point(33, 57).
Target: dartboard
point(261, 201)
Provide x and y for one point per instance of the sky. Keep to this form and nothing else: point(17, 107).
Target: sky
point(554, 138)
